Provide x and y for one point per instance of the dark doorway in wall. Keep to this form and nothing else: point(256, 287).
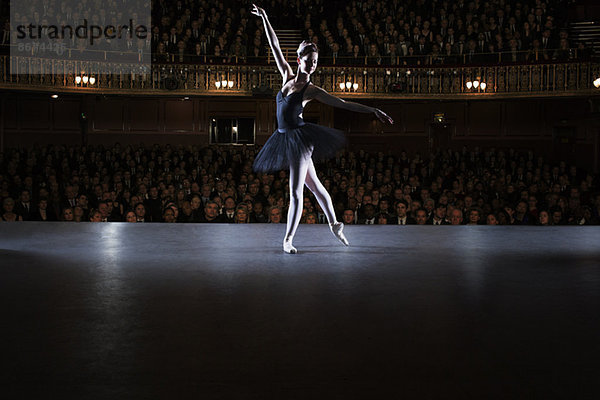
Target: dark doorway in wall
point(440, 135)
point(232, 130)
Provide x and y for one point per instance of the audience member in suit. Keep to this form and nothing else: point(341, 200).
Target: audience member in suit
point(211, 213)
point(421, 216)
point(368, 211)
point(456, 217)
point(24, 207)
point(348, 217)
point(439, 216)
point(42, 212)
point(383, 218)
point(401, 214)
point(229, 210)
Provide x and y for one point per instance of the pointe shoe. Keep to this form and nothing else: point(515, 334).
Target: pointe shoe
point(288, 248)
point(337, 229)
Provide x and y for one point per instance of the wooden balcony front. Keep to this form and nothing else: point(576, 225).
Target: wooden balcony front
point(383, 82)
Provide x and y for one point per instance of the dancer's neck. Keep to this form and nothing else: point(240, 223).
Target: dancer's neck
point(302, 77)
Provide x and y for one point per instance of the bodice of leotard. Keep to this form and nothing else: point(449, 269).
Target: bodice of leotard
point(289, 109)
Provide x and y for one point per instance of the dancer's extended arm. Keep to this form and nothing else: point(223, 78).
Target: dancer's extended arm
point(321, 95)
point(284, 68)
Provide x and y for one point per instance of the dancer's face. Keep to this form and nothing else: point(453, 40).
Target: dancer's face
point(308, 62)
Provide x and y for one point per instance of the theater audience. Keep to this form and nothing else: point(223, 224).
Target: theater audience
point(373, 32)
point(216, 184)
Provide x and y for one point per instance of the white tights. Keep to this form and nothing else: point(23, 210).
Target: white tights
point(303, 173)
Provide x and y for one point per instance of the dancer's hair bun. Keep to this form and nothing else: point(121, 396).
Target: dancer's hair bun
point(306, 47)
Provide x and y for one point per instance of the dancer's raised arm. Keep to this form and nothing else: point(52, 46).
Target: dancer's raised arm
point(321, 95)
point(282, 65)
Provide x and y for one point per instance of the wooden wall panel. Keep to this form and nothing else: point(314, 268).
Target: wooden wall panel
point(220, 107)
point(522, 118)
point(34, 113)
point(522, 123)
point(455, 116)
point(201, 123)
point(178, 115)
point(108, 114)
point(144, 115)
point(10, 113)
point(484, 118)
point(415, 117)
point(65, 114)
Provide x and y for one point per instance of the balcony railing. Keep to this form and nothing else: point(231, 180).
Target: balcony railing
point(576, 77)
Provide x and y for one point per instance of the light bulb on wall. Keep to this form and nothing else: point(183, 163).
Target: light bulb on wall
point(230, 84)
point(469, 85)
point(342, 86)
point(224, 83)
point(218, 84)
point(348, 85)
point(475, 84)
point(483, 85)
point(78, 79)
point(92, 80)
point(597, 83)
point(355, 86)
point(85, 79)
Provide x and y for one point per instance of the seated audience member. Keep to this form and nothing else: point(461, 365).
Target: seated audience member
point(95, 215)
point(211, 213)
point(439, 215)
point(67, 214)
point(241, 215)
point(42, 213)
point(348, 217)
point(474, 216)
point(456, 217)
point(491, 219)
point(79, 214)
point(186, 213)
point(258, 213)
point(130, 216)
point(368, 215)
point(311, 218)
point(8, 213)
point(401, 214)
point(383, 218)
point(275, 215)
point(421, 216)
point(140, 212)
point(168, 215)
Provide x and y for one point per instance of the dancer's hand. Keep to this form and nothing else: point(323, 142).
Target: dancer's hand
point(383, 117)
point(258, 11)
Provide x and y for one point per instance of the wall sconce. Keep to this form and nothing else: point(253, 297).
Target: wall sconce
point(224, 84)
point(348, 86)
point(84, 80)
point(476, 84)
point(597, 83)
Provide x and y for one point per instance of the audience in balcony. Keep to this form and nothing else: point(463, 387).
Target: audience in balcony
point(373, 32)
point(217, 185)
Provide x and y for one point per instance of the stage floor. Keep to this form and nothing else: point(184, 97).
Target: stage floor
point(123, 311)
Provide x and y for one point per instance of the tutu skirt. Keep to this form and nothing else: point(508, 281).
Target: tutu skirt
point(291, 144)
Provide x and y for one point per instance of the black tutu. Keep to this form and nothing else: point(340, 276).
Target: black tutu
point(291, 144)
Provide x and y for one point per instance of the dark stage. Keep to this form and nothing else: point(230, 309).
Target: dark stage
point(173, 311)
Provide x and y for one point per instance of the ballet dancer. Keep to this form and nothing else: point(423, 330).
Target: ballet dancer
point(296, 143)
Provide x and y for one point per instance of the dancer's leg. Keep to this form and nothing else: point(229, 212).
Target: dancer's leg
point(314, 184)
point(316, 187)
point(297, 177)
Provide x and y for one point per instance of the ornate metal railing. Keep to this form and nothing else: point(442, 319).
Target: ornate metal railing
point(241, 79)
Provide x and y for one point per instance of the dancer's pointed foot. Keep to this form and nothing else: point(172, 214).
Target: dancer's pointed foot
point(337, 228)
point(288, 248)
